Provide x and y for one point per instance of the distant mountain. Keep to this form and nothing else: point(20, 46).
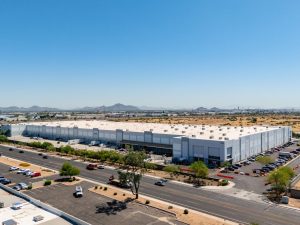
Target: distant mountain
point(30, 109)
point(113, 108)
point(119, 108)
point(201, 109)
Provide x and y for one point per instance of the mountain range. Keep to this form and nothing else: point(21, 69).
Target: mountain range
point(113, 108)
point(122, 108)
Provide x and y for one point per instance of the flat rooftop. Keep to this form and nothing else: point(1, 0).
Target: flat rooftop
point(24, 216)
point(206, 132)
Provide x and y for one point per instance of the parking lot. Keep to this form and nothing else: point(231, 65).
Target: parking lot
point(245, 179)
point(98, 209)
point(18, 178)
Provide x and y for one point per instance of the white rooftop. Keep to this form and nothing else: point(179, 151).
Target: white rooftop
point(24, 216)
point(206, 132)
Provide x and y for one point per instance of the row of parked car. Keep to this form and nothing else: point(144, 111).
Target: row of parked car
point(280, 161)
point(26, 172)
point(252, 159)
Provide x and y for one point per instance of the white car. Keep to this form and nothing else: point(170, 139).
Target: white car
point(13, 168)
point(23, 186)
point(78, 191)
point(23, 171)
point(16, 206)
point(29, 173)
point(20, 171)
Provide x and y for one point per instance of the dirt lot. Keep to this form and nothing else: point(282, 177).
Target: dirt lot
point(226, 120)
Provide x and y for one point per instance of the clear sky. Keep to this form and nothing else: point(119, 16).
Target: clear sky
point(169, 53)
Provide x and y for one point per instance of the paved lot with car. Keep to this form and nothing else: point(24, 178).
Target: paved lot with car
point(18, 178)
point(97, 209)
point(258, 184)
point(235, 209)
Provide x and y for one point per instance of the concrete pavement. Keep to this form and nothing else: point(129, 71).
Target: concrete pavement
point(227, 207)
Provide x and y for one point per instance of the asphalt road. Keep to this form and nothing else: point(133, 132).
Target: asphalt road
point(227, 207)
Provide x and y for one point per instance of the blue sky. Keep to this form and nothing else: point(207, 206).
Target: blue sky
point(166, 53)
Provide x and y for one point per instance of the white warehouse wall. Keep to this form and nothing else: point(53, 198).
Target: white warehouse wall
point(183, 147)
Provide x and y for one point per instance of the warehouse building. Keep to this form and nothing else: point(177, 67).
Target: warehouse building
point(212, 144)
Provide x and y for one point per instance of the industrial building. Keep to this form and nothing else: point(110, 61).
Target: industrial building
point(212, 144)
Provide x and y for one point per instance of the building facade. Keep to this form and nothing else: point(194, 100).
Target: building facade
point(212, 144)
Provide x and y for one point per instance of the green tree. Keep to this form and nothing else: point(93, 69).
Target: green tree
point(172, 169)
point(264, 160)
point(226, 164)
point(200, 170)
point(150, 166)
point(68, 169)
point(135, 168)
point(45, 145)
point(280, 180)
point(3, 138)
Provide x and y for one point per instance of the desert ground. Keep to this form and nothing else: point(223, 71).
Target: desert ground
point(292, 120)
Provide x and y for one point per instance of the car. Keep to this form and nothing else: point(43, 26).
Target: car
point(256, 171)
point(78, 192)
point(238, 165)
point(247, 163)
point(235, 167)
point(23, 171)
point(17, 205)
point(160, 183)
point(92, 166)
point(28, 173)
point(40, 154)
point(265, 169)
point(1, 177)
point(252, 160)
point(231, 168)
point(36, 174)
point(17, 188)
point(10, 149)
point(20, 171)
point(101, 167)
point(13, 168)
point(23, 186)
point(45, 157)
point(5, 181)
point(21, 151)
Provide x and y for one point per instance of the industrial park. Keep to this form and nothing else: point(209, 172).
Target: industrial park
point(149, 112)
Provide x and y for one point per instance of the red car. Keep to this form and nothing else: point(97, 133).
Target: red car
point(92, 166)
point(36, 174)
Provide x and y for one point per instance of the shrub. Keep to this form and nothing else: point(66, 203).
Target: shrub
point(115, 193)
point(105, 188)
point(186, 212)
point(124, 194)
point(47, 182)
point(224, 183)
point(147, 202)
point(24, 164)
point(170, 207)
point(29, 187)
point(3, 138)
point(96, 187)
